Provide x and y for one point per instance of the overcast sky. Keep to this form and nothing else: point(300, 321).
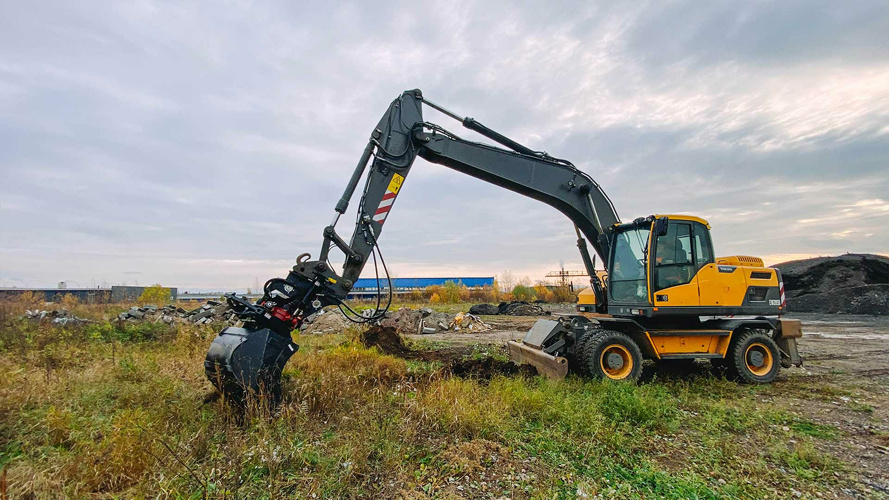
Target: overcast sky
point(205, 145)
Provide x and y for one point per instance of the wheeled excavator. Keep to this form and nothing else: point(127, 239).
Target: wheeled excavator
point(665, 295)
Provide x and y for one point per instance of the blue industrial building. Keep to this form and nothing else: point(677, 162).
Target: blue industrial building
point(368, 286)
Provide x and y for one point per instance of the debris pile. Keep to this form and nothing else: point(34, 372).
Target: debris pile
point(325, 321)
point(210, 312)
point(486, 309)
point(847, 284)
point(59, 316)
point(468, 322)
point(454, 359)
point(514, 308)
point(408, 321)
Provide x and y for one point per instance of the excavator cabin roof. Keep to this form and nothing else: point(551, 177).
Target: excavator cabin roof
point(691, 218)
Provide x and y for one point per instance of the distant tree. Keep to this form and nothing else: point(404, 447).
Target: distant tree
point(506, 280)
point(452, 293)
point(543, 293)
point(156, 295)
point(524, 293)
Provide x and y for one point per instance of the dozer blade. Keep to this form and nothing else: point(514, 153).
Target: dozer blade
point(555, 367)
point(241, 362)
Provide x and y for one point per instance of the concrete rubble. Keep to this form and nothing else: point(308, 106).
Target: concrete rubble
point(514, 308)
point(325, 321)
point(409, 321)
point(58, 316)
point(213, 311)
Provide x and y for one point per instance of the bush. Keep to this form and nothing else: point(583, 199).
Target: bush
point(543, 293)
point(449, 293)
point(524, 293)
point(156, 295)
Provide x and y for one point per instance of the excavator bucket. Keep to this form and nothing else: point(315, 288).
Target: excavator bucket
point(531, 350)
point(241, 362)
point(555, 367)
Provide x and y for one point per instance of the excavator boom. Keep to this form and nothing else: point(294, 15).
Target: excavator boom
point(398, 139)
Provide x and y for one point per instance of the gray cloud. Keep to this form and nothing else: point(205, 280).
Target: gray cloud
point(204, 145)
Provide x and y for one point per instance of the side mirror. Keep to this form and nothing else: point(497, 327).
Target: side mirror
point(660, 226)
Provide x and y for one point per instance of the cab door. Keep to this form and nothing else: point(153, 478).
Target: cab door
point(674, 267)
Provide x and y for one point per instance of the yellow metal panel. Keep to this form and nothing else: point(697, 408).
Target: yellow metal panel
point(586, 297)
point(722, 344)
point(679, 295)
point(686, 344)
point(721, 289)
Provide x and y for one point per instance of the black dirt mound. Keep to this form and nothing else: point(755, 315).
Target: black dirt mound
point(387, 339)
point(519, 308)
point(848, 284)
point(488, 368)
point(487, 309)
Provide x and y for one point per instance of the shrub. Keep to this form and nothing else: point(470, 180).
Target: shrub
point(524, 293)
point(156, 295)
point(543, 293)
point(563, 294)
point(449, 293)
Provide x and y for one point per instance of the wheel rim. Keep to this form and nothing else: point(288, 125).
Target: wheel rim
point(758, 359)
point(616, 362)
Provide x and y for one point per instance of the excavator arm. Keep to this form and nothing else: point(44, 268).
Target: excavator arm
point(398, 139)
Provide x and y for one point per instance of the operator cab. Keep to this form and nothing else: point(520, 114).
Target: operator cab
point(656, 253)
point(665, 265)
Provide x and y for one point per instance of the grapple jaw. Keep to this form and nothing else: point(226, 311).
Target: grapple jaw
point(249, 360)
point(242, 362)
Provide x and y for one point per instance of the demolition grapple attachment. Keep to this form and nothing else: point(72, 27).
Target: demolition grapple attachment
point(249, 360)
point(243, 361)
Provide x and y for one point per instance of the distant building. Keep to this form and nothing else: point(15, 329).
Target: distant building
point(367, 287)
point(85, 295)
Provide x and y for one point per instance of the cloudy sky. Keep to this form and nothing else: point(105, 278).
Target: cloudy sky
point(205, 145)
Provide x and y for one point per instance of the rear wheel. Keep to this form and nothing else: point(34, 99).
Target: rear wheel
point(753, 357)
point(612, 355)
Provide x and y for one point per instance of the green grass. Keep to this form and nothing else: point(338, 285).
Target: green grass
point(124, 412)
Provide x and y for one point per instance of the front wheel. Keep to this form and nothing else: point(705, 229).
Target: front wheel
point(754, 358)
point(612, 355)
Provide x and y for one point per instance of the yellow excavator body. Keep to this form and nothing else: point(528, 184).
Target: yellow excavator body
point(668, 297)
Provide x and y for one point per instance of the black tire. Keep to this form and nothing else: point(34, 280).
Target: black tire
point(753, 358)
point(607, 343)
point(576, 360)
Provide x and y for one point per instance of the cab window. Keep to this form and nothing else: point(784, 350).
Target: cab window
point(627, 282)
point(703, 248)
point(673, 262)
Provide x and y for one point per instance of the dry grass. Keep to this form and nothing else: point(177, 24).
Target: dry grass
point(118, 411)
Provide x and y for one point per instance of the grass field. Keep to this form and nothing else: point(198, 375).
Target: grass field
point(108, 410)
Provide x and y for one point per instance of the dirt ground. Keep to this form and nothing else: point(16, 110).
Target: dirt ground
point(843, 384)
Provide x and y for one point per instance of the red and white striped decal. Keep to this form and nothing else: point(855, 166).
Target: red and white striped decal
point(781, 291)
point(385, 206)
